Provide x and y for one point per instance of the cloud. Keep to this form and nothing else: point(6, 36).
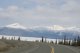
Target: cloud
point(51, 11)
point(12, 8)
point(49, 8)
point(9, 11)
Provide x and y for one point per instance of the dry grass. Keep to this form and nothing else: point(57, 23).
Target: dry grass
point(3, 46)
point(6, 45)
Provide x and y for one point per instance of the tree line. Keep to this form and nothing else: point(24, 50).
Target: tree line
point(12, 38)
point(65, 41)
point(72, 42)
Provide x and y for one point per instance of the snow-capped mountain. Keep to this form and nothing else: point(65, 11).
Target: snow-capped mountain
point(16, 25)
point(54, 27)
point(54, 31)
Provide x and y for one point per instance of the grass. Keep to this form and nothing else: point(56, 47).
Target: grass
point(6, 45)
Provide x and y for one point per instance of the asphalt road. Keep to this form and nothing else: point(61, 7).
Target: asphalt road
point(56, 49)
point(65, 49)
point(43, 48)
point(47, 48)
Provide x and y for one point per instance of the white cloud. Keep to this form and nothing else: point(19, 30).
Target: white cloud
point(1, 9)
point(12, 8)
point(63, 11)
point(10, 11)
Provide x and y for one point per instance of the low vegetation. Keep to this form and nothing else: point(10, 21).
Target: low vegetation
point(6, 45)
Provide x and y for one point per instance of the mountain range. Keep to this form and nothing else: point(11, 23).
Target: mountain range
point(54, 31)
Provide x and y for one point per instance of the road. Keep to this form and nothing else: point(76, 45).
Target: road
point(43, 48)
point(55, 49)
point(47, 48)
point(64, 49)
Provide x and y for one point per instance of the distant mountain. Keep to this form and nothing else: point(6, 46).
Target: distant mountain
point(16, 25)
point(55, 31)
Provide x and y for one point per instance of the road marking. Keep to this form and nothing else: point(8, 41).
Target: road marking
point(52, 50)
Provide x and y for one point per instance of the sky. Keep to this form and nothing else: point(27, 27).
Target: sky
point(40, 12)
